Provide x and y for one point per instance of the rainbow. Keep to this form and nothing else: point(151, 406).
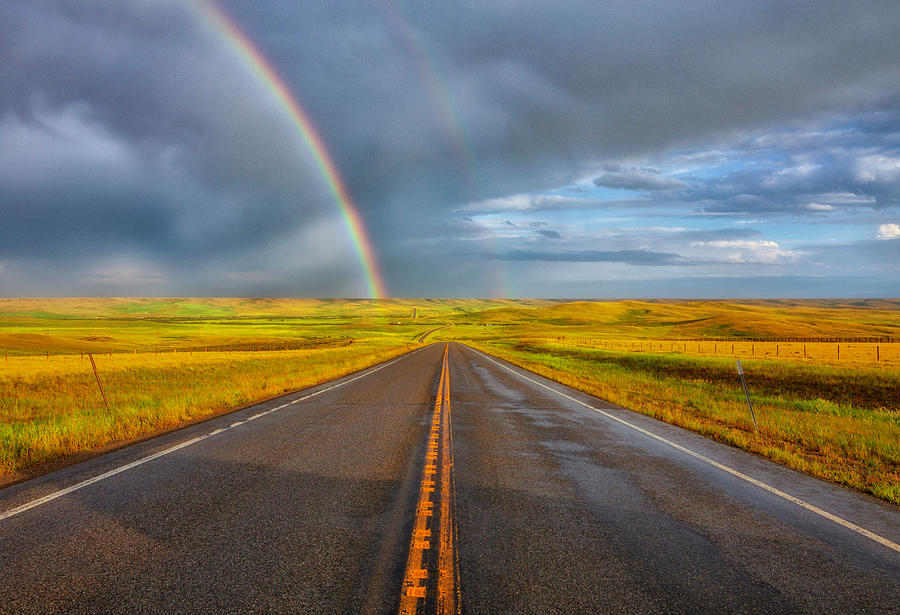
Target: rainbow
point(429, 74)
point(260, 66)
point(441, 100)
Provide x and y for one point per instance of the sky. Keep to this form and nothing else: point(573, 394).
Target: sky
point(571, 149)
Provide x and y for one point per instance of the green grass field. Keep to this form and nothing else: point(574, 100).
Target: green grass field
point(168, 361)
point(836, 419)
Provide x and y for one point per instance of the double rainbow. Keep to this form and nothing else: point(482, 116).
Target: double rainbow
point(260, 66)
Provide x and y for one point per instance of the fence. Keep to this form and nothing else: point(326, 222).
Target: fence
point(818, 351)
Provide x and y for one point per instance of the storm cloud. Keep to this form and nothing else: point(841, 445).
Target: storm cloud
point(139, 150)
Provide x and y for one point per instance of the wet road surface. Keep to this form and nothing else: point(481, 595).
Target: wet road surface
point(433, 484)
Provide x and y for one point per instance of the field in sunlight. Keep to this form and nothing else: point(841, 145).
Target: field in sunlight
point(828, 405)
point(164, 362)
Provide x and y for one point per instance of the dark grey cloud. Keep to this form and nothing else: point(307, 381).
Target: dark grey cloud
point(132, 130)
point(549, 234)
point(639, 179)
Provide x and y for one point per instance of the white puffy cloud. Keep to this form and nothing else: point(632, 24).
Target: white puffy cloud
point(888, 231)
point(878, 168)
point(819, 207)
point(529, 202)
point(744, 251)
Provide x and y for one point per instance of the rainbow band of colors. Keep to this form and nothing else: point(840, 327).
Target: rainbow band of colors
point(262, 68)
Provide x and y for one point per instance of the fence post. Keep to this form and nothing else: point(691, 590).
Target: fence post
point(877, 354)
point(97, 376)
point(839, 352)
point(747, 394)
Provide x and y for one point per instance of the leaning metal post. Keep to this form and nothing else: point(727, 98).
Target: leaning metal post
point(747, 393)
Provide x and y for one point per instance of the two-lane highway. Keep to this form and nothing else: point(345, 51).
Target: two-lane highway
point(363, 496)
point(305, 509)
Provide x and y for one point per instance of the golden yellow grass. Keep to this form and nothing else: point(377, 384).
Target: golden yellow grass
point(841, 424)
point(52, 408)
point(835, 417)
point(756, 319)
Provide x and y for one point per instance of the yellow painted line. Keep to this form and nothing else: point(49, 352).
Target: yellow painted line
point(753, 481)
point(448, 602)
point(415, 588)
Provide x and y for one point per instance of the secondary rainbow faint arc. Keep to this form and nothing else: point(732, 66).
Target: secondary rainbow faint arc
point(262, 68)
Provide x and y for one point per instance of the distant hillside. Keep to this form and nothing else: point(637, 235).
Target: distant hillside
point(621, 319)
point(708, 319)
point(180, 307)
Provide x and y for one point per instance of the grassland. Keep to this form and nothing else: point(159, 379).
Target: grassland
point(836, 419)
point(167, 361)
point(53, 409)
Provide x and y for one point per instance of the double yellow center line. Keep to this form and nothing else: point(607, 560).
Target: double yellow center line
point(428, 578)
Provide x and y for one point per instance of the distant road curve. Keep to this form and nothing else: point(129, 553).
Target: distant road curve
point(362, 496)
point(422, 337)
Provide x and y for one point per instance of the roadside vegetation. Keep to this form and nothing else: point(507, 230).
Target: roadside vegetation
point(165, 362)
point(835, 423)
point(838, 419)
point(53, 409)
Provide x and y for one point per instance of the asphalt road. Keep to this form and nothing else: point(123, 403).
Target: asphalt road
point(341, 499)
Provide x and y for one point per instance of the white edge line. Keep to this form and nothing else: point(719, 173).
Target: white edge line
point(790, 498)
point(90, 481)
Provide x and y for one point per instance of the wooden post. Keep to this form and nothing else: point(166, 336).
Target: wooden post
point(877, 354)
point(839, 352)
point(97, 376)
point(48, 354)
